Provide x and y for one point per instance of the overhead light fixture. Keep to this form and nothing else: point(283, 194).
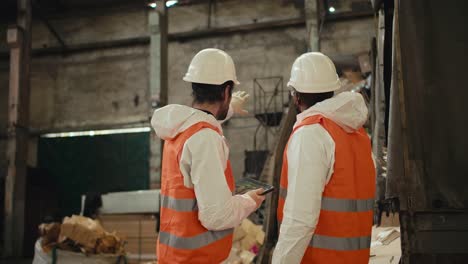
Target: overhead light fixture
point(171, 3)
point(331, 9)
point(93, 133)
point(152, 5)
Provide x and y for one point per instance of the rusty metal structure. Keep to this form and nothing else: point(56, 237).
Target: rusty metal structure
point(420, 76)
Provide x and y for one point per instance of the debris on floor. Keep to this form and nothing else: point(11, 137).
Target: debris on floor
point(248, 238)
point(385, 245)
point(77, 237)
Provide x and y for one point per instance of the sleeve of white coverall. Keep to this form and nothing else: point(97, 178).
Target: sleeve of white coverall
point(310, 161)
point(203, 162)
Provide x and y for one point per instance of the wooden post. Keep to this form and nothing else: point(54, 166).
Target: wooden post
point(158, 79)
point(19, 40)
point(273, 174)
point(273, 177)
point(378, 133)
point(312, 23)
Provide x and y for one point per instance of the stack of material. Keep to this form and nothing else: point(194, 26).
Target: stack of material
point(138, 230)
point(248, 238)
point(84, 238)
point(80, 234)
point(386, 245)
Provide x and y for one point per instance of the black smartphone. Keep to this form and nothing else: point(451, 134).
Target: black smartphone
point(269, 190)
point(247, 184)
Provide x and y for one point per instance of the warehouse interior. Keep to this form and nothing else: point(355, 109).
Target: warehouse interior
point(80, 80)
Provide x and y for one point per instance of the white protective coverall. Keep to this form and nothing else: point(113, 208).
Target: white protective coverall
point(311, 157)
point(203, 162)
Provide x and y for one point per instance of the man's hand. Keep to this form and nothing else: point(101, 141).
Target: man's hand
point(256, 196)
point(237, 102)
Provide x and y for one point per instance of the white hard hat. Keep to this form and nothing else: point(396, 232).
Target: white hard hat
point(314, 72)
point(211, 66)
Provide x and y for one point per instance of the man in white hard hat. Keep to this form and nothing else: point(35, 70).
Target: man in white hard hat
point(328, 177)
point(198, 208)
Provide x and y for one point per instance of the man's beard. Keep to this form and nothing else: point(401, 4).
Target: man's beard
point(298, 109)
point(223, 113)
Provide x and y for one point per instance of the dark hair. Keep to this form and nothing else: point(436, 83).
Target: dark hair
point(310, 99)
point(210, 93)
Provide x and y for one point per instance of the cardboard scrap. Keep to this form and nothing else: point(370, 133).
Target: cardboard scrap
point(138, 231)
point(80, 234)
point(387, 237)
point(83, 230)
point(110, 243)
point(390, 252)
point(50, 235)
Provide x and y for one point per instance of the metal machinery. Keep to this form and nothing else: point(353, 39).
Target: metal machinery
point(419, 90)
point(270, 100)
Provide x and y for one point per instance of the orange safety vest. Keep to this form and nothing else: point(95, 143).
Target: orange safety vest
point(343, 231)
point(182, 238)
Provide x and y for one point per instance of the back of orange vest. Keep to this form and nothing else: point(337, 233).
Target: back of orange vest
point(182, 238)
point(343, 232)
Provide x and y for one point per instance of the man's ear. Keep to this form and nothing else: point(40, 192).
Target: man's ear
point(297, 101)
point(227, 94)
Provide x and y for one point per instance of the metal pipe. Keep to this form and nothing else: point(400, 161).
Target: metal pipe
point(237, 29)
point(184, 36)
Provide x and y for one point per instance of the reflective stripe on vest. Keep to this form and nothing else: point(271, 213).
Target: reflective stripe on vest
point(181, 205)
point(340, 243)
point(194, 242)
point(283, 192)
point(347, 205)
point(340, 205)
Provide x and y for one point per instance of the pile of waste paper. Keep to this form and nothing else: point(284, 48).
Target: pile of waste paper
point(248, 239)
point(79, 235)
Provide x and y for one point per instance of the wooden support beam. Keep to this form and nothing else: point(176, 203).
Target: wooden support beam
point(272, 176)
point(19, 40)
point(158, 29)
point(312, 23)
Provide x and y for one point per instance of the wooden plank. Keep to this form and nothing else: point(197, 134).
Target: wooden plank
point(271, 225)
point(378, 132)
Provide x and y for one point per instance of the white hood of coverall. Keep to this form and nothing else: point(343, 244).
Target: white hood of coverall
point(346, 109)
point(218, 208)
point(171, 120)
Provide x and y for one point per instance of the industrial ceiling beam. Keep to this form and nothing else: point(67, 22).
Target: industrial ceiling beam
point(42, 17)
point(184, 36)
point(217, 32)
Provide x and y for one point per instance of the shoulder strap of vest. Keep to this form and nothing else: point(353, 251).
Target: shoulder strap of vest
point(315, 119)
point(180, 140)
point(197, 127)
